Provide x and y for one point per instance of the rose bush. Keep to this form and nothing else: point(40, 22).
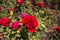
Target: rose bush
point(27, 20)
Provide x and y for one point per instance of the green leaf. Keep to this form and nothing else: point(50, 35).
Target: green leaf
point(17, 35)
point(13, 32)
point(5, 33)
point(1, 29)
point(14, 38)
point(7, 36)
point(8, 30)
point(44, 26)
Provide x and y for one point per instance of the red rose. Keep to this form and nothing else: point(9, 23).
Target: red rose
point(20, 2)
point(10, 9)
point(30, 22)
point(58, 29)
point(40, 4)
point(0, 21)
point(0, 8)
point(5, 21)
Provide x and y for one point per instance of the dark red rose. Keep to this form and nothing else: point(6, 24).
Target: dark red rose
point(20, 2)
point(0, 8)
point(15, 25)
point(10, 9)
point(32, 6)
point(30, 22)
point(52, 27)
point(16, 9)
point(58, 29)
point(40, 4)
point(51, 6)
point(5, 21)
point(31, 0)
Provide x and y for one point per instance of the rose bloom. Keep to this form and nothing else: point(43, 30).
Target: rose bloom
point(30, 22)
point(0, 21)
point(10, 9)
point(32, 6)
point(4, 21)
point(20, 2)
point(52, 27)
point(51, 6)
point(15, 25)
point(0, 8)
point(31, 0)
point(58, 29)
point(23, 15)
point(40, 4)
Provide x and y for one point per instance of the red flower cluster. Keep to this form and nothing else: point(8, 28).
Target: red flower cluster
point(58, 29)
point(10, 9)
point(4, 21)
point(40, 4)
point(30, 22)
point(20, 2)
